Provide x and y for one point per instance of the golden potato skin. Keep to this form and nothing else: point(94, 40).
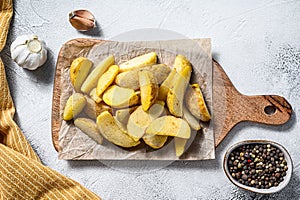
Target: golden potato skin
point(183, 65)
point(176, 94)
point(74, 106)
point(107, 79)
point(79, 70)
point(196, 104)
point(166, 86)
point(139, 61)
point(139, 120)
point(119, 97)
point(149, 89)
point(112, 132)
point(155, 141)
point(169, 126)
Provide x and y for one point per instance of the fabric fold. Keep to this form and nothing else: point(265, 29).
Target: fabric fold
point(12, 136)
point(6, 12)
point(25, 178)
point(22, 175)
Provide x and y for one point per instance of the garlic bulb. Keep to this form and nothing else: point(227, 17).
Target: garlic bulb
point(28, 51)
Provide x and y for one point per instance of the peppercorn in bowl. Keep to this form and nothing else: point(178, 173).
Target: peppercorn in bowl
point(258, 165)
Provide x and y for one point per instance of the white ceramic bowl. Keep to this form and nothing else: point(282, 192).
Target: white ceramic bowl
point(262, 191)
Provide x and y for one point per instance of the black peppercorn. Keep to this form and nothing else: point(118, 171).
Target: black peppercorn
point(258, 165)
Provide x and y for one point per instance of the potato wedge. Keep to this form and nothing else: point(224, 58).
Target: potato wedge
point(169, 126)
point(196, 103)
point(139, 120)
point(112, 132)
point(90, 128)
point(155, 141)
point(120, 125)
point(118, 97)
point(90, 108)
point(130, 79)
point(107, 79)
point(93, 109)
point(166, 86)
point(92, 79)
point(183, 67)
point(139, 61)
point(157, 110)
point(148, 88)
point(176, 94)
point(79, 70)
point(179, 145)
point(190, 119)
point(94, 96)
point(74, 106)
point(122, 115)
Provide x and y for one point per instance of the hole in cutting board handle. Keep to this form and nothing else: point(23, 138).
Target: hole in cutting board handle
point(270, 110)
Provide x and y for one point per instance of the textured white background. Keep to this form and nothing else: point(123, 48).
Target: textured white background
point(257, 43)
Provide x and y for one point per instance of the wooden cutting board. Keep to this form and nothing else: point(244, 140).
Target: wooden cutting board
point(230, 107)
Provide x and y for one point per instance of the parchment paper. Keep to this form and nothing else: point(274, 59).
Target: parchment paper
point(74, 144)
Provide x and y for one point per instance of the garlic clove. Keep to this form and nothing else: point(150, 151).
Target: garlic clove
point(82, 20)
point(43, 57)
point(31, 61)
point(20, 54)
point(84, 14)
point(20, 40)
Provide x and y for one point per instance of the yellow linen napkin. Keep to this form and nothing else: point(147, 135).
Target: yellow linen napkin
point(22, 176)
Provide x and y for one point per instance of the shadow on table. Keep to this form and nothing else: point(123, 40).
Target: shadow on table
point(220, 150)
point(45, 73)
point(94, 32)
point(85, 164)
point(290, 192)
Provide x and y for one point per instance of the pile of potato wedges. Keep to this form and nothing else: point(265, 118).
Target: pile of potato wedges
point(137, 101)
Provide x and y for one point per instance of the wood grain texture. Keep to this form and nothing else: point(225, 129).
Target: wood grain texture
point(65, 57)
point(238, 107)
point(230, 107)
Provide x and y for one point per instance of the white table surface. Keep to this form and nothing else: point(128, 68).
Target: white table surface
point(256, 42)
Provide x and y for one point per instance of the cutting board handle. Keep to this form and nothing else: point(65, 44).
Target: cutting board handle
point(265, 109)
